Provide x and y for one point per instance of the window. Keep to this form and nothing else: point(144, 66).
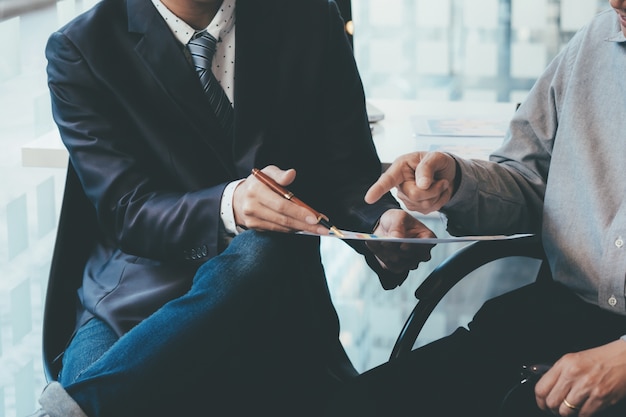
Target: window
point(485, 50)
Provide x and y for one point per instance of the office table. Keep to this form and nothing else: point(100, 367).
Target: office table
point(396, 134)
point(46, 151)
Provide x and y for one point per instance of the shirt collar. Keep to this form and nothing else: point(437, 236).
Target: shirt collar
point(618, 37)
point(222, 23)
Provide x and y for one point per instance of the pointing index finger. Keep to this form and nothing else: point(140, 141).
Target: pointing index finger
point(388, 180)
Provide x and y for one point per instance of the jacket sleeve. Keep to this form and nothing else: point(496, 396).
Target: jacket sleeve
point(139, 208)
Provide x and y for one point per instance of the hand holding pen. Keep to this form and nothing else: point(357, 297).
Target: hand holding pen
point(263, 202)
point(288, 195)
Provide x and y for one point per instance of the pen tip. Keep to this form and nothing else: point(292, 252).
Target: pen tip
point(336, 231)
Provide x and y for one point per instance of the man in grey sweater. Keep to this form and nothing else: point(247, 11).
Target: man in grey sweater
point(559, 174)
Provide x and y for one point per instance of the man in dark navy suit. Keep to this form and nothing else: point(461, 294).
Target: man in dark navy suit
point(194, 300)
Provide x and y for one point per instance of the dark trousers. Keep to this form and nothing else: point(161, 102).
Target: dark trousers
point(470, 372)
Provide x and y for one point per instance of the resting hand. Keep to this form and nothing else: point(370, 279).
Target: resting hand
point(400, 257)
point(257, 207)
point(589, 381)
point(424, 180)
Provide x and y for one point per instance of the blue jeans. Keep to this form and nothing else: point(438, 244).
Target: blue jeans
point(254, 335)
point(89, 343)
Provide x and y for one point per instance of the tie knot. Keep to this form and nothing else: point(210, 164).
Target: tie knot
point(202, 48)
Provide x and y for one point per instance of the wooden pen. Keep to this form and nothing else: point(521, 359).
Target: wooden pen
point(288, 195)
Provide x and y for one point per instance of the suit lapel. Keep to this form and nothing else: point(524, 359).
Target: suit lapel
point(159, 50)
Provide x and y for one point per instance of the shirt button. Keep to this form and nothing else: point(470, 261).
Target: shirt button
point(619, 242)
point(612, 301)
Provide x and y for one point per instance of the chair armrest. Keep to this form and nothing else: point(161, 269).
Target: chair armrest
point(452, 270)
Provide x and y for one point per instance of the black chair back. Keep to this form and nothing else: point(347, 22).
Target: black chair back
point(76, 231)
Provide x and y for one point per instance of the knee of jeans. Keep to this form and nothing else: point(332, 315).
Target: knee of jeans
point(259, 255)
point(89, 343)
point(268, 248)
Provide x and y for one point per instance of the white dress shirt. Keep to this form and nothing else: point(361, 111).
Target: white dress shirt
point(222, 28)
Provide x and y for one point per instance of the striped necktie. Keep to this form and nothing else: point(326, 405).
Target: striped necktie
point(202, 48)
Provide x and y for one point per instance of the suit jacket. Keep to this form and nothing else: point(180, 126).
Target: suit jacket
point(149, 161)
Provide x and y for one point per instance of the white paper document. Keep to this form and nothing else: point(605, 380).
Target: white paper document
point(348, 235)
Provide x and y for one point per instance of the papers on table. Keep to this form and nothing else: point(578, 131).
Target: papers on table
point(472, 137)
point(459, 126)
